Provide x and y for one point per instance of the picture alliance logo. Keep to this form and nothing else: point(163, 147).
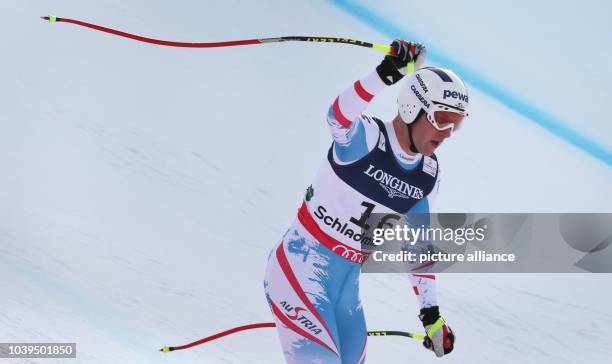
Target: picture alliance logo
point(294, 314)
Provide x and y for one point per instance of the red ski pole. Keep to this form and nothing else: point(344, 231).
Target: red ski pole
point(380, 47)
point(167, 349)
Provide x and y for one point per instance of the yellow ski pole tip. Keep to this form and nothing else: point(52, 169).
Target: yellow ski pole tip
point(410, 67)
point(383, 48)
point(419, 337)
point(165, 349)
point(50, 18)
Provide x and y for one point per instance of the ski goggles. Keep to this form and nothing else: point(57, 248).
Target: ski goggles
point(439, 106)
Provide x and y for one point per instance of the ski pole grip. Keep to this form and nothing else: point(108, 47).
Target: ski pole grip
point(383, 48)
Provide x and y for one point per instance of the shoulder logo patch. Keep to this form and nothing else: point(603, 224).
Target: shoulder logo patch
point(430, 166)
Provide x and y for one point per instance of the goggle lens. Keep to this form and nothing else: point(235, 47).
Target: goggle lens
point(444, 127)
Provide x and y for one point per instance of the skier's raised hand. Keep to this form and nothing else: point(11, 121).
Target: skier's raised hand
point(393, 67)
point(440, 338)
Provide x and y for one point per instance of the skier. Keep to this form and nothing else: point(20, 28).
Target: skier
point(311, 281)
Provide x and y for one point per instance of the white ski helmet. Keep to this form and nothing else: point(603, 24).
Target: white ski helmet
point(432, 89)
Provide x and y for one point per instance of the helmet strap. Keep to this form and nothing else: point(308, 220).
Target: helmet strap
point(413, 148)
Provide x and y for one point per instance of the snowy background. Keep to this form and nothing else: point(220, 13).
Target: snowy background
point(143, 186)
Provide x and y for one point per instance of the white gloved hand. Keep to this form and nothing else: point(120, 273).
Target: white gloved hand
point(440, 338)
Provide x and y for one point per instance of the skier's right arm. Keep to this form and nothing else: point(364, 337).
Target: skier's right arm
point(353, 134)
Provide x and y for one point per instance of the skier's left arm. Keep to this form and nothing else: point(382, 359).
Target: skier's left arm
point(440, 338)
point(423, 283)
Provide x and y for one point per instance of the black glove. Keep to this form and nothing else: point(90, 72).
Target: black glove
point(440, 338)
point(393, 67)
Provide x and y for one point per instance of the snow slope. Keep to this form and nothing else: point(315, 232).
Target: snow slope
point(144, 186)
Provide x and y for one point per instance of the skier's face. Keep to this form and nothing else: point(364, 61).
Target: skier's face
point(427, 138)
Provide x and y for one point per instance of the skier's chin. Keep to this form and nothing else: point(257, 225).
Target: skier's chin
point(430, 147)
